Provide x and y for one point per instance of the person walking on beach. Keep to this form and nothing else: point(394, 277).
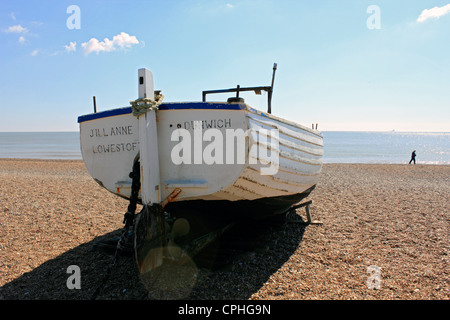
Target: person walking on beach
point(413, 157)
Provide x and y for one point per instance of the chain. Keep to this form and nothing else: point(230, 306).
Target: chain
point(111, 265)
point(128, 221)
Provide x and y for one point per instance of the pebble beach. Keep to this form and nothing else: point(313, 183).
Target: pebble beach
point(384, 235)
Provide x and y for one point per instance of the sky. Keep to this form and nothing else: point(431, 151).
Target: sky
point(350, 65)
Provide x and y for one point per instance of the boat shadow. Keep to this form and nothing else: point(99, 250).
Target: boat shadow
point(246, 257)
point(235, 268)
point(49, 280)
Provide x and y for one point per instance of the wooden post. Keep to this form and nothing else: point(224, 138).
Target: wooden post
point(148, 143)
point(152, 218)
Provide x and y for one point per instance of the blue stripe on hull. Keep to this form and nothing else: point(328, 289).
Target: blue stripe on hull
point(165, 106)
point(104, 114)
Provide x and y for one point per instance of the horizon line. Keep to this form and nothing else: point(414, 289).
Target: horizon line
point(400, 131)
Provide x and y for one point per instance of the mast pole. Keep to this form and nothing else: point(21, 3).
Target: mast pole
point(269, 108)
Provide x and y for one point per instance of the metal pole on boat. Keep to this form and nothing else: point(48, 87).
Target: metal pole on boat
point(95, 105)
point(269, 109)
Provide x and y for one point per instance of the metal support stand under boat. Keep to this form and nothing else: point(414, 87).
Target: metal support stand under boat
point(257, 90)
point(308, 214)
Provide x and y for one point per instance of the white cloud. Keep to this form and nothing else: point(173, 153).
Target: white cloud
point(435, 12)
point(22, 40)
point(122, 40)
point(36, 23)
point(229, 5)
point(71, 47)
point(34, 53)
point(13, 16)
point(16, 29)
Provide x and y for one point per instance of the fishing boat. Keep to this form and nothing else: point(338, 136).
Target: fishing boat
point(197, 167)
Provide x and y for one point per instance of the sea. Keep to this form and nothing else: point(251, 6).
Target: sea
point(339, 147)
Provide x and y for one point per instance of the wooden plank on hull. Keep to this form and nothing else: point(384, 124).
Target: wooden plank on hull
point(299, 132)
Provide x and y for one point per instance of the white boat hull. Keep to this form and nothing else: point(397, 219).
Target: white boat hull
point(110, 145)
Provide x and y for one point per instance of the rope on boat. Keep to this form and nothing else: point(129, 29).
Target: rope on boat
point(142, 105)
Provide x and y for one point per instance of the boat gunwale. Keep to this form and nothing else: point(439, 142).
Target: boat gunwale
point(285, 121)
point(164, 107)
point(198, 106)
point(285, 131)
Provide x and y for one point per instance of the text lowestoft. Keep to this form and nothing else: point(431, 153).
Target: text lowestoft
point(115, 147)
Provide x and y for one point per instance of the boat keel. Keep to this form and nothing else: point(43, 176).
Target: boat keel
point(149, 238)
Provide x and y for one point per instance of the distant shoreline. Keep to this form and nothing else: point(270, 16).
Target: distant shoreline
point(325, 164)
point(339, 146)
point(341, 131)
point(38, 159)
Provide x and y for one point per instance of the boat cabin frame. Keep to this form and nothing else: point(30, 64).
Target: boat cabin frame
point(257, 90)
